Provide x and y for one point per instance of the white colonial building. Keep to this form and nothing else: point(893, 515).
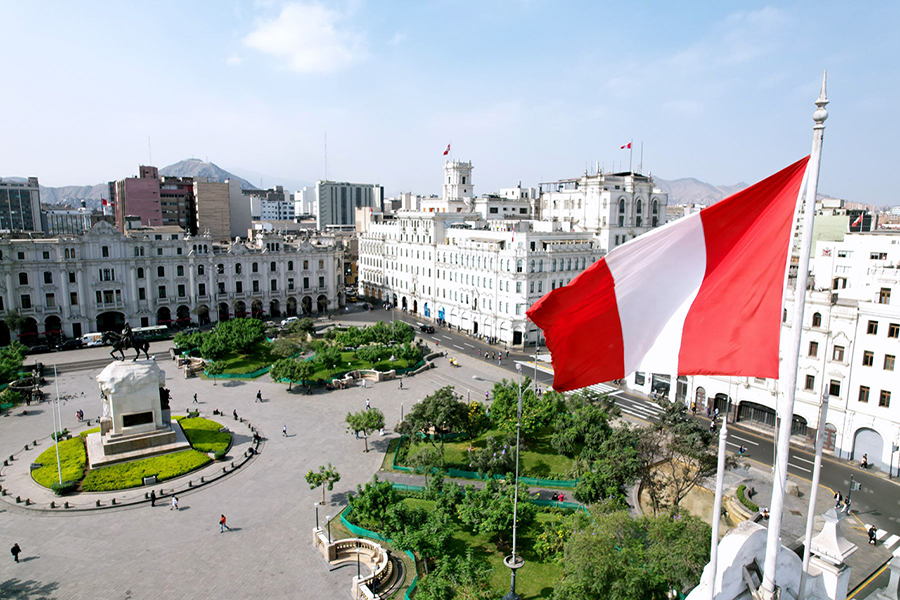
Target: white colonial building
point(849, 349)
point(159, 275)
point(476, 275)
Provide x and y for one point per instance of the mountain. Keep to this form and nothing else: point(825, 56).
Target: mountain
point(688, 190)
point(270, 181)
point(194, 167)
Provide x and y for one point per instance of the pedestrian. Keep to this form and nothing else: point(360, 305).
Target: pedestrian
point(259, 395)
point(872, 535)
point(174, 502)
point(865, 462)
point(284, 430)
point(15, 551)
point(712, 426)
point(838, 499)
point(401, 384)
point(708, 413)
point(152, 498)
point(741, 450)
point(499, 362)
point(694, 408)
point(223, 525)
point(195, 399)
point(847, 506)
point(487, 396)
point(507, 354)
point(234, 412)
point(716, 414)
point(368, 404)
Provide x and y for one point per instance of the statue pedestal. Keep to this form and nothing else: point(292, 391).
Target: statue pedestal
point(135, 422)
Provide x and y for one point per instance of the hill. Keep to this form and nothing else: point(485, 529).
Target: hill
point(194, 167)
point(688, 190)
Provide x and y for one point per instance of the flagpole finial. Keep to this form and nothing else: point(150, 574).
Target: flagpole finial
point(821, 114)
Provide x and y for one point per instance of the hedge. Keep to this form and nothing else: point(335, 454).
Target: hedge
point(749, 504)
point(72, 458)
point(131, 474)
point(204, 435)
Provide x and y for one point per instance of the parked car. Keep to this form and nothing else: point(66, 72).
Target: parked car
point(426, 328)
point(39, 349)
point(285, 322)
point(70, 344)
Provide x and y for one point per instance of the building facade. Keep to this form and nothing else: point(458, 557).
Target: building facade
point(137, 196)
point(104, 278)
point(65, 221)
point(336, 202)
point(273, 204)
point(478, 276)
point(221, 209)
point(20, 205)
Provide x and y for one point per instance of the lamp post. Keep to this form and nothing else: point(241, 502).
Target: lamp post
point(328, 526)
point(317, 514)
point(514, 561)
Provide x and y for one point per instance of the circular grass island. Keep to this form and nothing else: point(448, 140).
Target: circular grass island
point(203, 435)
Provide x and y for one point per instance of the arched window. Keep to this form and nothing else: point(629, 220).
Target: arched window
point(532, 266)
point(817, 320)
point(305, 265)
point(639, 208)
point(569, 265)
point(638, 221)
point(519, 266)
point(553, 265)
point(621, 212)
point(238, 268)
point(220, 269)
point(290, 265)
point(583, 263)
point(200, 270)
point(541, 266)
point(140, 273)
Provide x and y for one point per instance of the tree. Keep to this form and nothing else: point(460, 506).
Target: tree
point(187, 341)
point(11, 359)
point(581, 431)
point(423, 459)
point(306, 324)
point(325, 476)
point(213, 346)
point(490, 509)
point(477, 421)
point(14, 320)
point(403, 333)
point(504, 408)
point(466, 576)
point(373, 353)
point(329, 357)
point(676, 453)
point(409, 352)
point(611, 469)
point(424, 532)
point(214, 368)
point(240, 335)
point(366, 421)
point(436, 415)
point(285, 347)
point(497, 457)
point(304, 370)
point(286, 368)
point(616, 557)
point(372, 502)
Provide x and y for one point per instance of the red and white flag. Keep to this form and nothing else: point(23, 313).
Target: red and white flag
point(447, 151)
point(699, 296)
point(625, 146)
point(103, 201)
point(857, 221)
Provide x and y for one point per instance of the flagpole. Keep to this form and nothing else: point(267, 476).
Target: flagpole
point(773, 539)
point(811, 516)
point(630, 154)
point(717, 503)
point(641, 164)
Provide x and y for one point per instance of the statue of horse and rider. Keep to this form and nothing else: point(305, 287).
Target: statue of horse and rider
point(127, 339)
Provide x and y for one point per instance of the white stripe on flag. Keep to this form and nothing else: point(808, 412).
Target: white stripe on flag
point(671, 261)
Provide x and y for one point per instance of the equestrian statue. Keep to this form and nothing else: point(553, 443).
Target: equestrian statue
point(127, 339)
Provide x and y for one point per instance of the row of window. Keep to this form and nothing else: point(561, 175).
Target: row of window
point(834, 389)
point(869, 360)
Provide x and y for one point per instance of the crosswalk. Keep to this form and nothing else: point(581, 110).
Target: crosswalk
point(886, 539)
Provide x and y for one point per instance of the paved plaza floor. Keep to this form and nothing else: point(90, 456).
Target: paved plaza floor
point(144, 552)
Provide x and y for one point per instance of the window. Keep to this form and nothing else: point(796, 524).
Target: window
point(73, 298)
point(784, 316)
point(140, 273)
point(884, 399)
point(884, 296)
point(99, 297)
point(889, 362)
point(305, 265)
point(878, 256)
point(162, 292)
point(23, 278)
point(142, 293)
point(71, 276)
point(838, 354)
point(813, 349)
point(872, 328)
point(272, 266)
point(20, 255)
point(321, 282)
point(810, 382)
point(50, 300)
point(255, 267)
point(255, 287)
point(864, 394)
point(181, 293)
point(518, 287)
point(220, 269)
point(200, 270)
point(48, 277)
point(306, 283)
point(179, 271)
point(321, 264)
point(868, 358)
point(519, 266)
point(290, 283)
point(25, 301)
point(237, 269)
point(201, 289)
point(834, 388)
point(894, 330)
point(273, 285)
point(290, 265)
point(160, 271)
point(817, 320)
point(104, 251)
point(159, 251)
point(531, 287)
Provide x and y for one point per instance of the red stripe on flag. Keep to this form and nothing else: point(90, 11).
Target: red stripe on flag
point(734, 323)
point(582, 328)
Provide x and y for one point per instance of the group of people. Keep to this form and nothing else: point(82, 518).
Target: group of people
point(840, 503)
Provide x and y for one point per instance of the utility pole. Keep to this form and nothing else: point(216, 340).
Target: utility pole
point(514, 561)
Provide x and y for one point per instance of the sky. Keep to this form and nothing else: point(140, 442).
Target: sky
point(529, 90)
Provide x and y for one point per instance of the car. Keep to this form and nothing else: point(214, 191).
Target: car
point(426, 328)
point(39, 349)
point(70, 344)
point(190, 330)
point(285, 322)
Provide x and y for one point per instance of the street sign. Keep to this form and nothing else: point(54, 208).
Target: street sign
point(854, 486)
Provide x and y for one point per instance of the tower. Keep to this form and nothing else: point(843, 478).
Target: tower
point(458, 181)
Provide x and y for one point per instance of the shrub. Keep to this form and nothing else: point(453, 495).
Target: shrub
point(220, 455)
point(59, 434)
point(204, 435)
point(749, 504)
point(9, 396)
point(64, 488)
point(131, 474)
point(72, 459)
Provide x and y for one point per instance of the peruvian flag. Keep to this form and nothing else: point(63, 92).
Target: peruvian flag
point(857, 221)
point(625, 146)
point(699, 296)
point(447, 151)
point(103, 201)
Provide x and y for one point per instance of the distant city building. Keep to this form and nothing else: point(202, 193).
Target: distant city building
point(20, 205)
point(458, 190)
point(272, 204)
point(176, 196)
point(305, 202)
point(138, 196)
point(336, 201)
point(222, 210)
point(73, 221)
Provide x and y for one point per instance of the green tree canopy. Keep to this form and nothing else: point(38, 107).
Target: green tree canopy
point(214, 368)
point(490, 509)
point(187, 341)
point(11, 359)
point(326, 476)
point(371, 503)
point(497, 457)
point(286, 347)
point(365, 421)
point(614, 466)
point(466, 576)
point(437, 414)
point(536, 412)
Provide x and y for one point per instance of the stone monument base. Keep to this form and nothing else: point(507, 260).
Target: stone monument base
point(121, 448)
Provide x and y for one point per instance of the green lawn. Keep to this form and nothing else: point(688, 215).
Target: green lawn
point(131, 474)
point(72, 458)
point(259, 356)
point(537, 459)
point(203, 434)
point(350, 362)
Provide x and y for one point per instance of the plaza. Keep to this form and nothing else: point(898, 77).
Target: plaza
point(137, 551)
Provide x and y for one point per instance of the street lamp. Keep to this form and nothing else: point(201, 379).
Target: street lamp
point(514, 561)
point(317, 514)
point(328, 525)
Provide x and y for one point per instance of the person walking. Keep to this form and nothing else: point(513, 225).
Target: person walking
point(223, 525)
point(873, 533)
point(838, 499)
point(284, 430)
point(195, 399)
point(401, 384)
point(174, 503)
point(15, 551)
point(368, 404)
point(259, 395)
point(234, 412)
point(152, 498)
point(846, 506)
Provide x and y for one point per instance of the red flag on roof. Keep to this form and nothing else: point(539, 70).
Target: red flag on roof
point(447, 151)
point(718, 312)
point(625, 146)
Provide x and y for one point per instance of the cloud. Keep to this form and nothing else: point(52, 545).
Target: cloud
point(308, 38)
point(233, 60)
point(398, 39)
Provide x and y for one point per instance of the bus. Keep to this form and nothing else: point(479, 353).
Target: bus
point(157, 332)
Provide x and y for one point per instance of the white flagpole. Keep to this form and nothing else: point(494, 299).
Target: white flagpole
point(717, 504)
point(811, 516)
point(789, 375)
point(630, 154)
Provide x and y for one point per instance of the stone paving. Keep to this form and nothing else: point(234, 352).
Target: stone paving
point(139, 551)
